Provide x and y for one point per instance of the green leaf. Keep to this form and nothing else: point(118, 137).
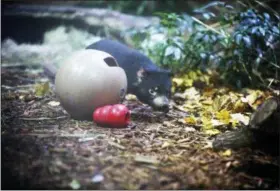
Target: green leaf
point(42, 89)
point(75, 184)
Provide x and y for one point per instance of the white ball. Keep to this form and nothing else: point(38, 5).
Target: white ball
point(89, 79)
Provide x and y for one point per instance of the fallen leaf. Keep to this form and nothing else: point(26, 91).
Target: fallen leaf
point(168, 124)
point(209, 144)
point(239, 106)
point(190, 106)
point(117, 145)
point(191, 94)
point(165, 145)
point(182, 121)
point(240, 118)
point(253, 98)
point(207, 102)
point(208, 92)
point(211, 131)
point(42, 89)
point(206, 123)
point(205, 167)
point(190, 120)
point(189, 129)
point(146, 159)
point(21, 97)
point(130, 97)
point(97, 178)
point(223, 116)
point(226, 153)
point(228, 164)
point(75, 185)
point(54, 103)
point(244, 100)
point(183, 140)
point(188, 82)
point(178, 81)
point(216, 123)
point(234, 122)
point(221, 102)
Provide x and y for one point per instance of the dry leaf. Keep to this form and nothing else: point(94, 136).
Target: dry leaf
point(97, 178)
point(239, 106)
point(190, 105)
point(189, 129)
point(221, 102)
point(75, 185)
point(130, 97)
point(183, 140)
point(206, 123)
point(223, 116)
point(209, 144)
point(146, 159)
point(190, 120)
point(116, 145)
point(217, 123)
point(188, 82)
point(182, 121)
point(211, 131)
point(191, 94)
point(208, 92)
point(42, 89)
point(240, 118)
point(178, 81)
point(207, 102)
point(54, 103)
point(226, 153)
point(165, 145)
point(253, 98)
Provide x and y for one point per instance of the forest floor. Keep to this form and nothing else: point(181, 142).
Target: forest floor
point(43, 148)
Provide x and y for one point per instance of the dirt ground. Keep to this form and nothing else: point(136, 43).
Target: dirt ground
point(42, 148)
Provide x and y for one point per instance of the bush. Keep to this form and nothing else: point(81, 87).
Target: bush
point(243, 45)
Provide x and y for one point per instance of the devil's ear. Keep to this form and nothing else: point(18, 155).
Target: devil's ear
point(141, 73)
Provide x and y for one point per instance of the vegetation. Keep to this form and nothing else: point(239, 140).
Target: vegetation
point(242, 45)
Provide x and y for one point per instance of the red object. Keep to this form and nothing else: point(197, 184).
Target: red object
point(116, 115)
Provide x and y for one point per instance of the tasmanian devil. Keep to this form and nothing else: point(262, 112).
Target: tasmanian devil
point(150, 84)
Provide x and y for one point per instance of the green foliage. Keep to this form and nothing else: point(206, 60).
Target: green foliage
point(242, 45)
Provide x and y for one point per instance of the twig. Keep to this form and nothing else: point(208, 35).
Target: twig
point(16, 87)
point(207, 26)
point(116, 145)
point(13, 65)
point(56, 135)
point(267, 7)
point(44, 118)
point(87, 138)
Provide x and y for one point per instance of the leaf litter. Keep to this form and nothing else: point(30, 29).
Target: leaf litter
point(47, 149)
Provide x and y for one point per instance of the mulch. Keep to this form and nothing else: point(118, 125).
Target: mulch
point(43, 148)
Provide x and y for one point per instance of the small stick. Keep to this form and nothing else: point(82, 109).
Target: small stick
point(116, 145)
point(44, 118)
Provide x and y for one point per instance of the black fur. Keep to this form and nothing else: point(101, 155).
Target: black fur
point(142, 74)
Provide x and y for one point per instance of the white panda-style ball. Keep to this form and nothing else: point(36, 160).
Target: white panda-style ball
point(89, 79)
